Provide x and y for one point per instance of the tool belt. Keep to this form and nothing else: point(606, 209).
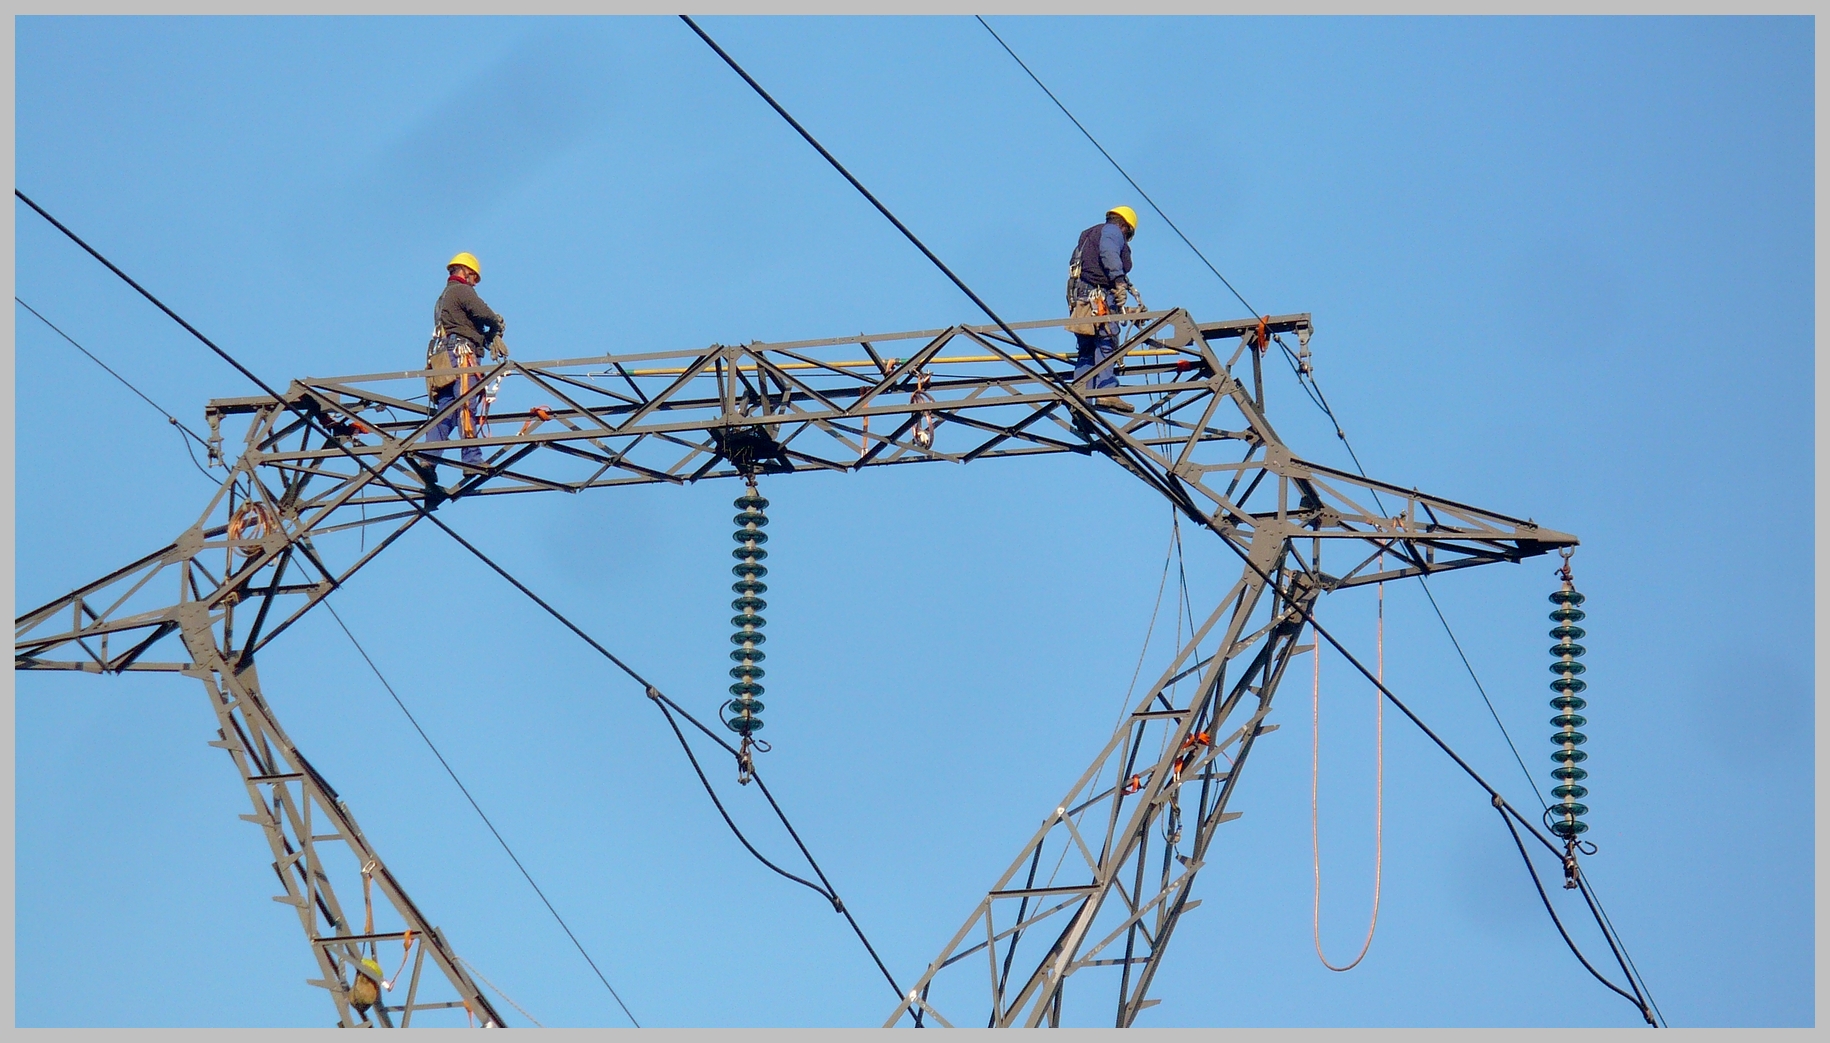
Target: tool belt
point(443, 357)
point(1088, 302)
point(438, 358)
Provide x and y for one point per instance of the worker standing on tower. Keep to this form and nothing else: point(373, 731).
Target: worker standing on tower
point(462, 327)
point(1098, 282)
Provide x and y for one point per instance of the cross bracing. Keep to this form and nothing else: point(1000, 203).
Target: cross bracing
point(307, 504)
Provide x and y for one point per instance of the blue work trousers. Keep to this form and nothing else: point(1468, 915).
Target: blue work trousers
point(1094, 349)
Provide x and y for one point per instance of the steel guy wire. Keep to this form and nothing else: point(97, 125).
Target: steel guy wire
point(174, 421)
point(1121, 452)
point(427, 513)
point(478, 808)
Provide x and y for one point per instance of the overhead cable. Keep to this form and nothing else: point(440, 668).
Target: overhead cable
point(1115, 164)
point(1312, 387)
point(1166, 485)
point(174, 421)
point(1308, 380)
point(478, 808)
point(425, 512)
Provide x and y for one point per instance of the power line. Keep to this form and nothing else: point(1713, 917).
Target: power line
point(1305, 379)
point(425, 512)
point(1312, 387)
point(478, 808)
point(1121, 452)
point(174, 421)
point(1175, 493)
point(1115, 164)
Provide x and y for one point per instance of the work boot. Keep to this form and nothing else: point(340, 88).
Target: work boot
point(1120, 405)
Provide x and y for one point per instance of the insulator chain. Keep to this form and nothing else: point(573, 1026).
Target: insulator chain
point(745, 710)
point(1565, 816)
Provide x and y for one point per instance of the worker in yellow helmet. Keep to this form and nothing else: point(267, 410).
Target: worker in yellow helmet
point(463, 326)
point(1098, 283)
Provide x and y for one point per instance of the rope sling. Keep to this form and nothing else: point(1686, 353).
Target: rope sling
point(1315, 750)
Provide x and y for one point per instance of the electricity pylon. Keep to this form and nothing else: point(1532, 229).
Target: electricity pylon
point(339, 458)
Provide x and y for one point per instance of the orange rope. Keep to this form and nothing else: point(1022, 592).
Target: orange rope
point(1315, 841)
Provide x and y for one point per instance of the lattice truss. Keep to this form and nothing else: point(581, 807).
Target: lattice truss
point(307, 504)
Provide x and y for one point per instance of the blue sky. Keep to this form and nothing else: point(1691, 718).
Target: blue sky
point(1559, 268)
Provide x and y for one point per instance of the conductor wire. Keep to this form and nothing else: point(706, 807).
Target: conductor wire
point(478, 808)
point(426, 512)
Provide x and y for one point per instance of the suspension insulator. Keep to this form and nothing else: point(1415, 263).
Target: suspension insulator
point(744, 710)
point(1565, 816)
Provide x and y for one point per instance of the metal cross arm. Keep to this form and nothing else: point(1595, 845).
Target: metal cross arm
point(301, 510)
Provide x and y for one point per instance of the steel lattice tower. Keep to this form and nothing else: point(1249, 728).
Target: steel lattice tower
point(289, 524)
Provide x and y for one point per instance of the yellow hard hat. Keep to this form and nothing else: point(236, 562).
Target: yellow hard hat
point(1125, 213)
point(469, 260)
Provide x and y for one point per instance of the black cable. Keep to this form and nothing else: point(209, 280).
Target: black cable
point(1077, 402)
point(1307, 381)
point(174, 421)
point(465, 790)
point(1583, 879)
point(312, 420)
point(1166, 487)
point(1115, 164)
point(1539, 884)
point(738, 833)
point(828, 892)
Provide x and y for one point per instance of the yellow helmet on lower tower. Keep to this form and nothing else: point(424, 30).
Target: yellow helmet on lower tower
point(469, 260)
point(1125, 214)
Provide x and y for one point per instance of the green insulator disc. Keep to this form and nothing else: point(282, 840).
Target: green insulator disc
point(750, 620)
point(1569, 829)
point(756, 518)
point(1568, 615)
point(754, 655)
point(1568, 668)
point(751, 636)
point(1568, 756)
point(1568, 633)
point(756, 536)
point(1573, 792)
point(750, 501)
point(754, 571)
point(1568, 772)
point(1568, 720)
point(737, 706)
point(1569, 648)
point(1568, 597)
point(1569, 703)
point(1569, 684)
point(1573, 738)
point(744, 725)
point(741, 672)
point(749, 587)
point(743, 688)
point(741, 553)
point(749, 603)
point(1569, 807)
